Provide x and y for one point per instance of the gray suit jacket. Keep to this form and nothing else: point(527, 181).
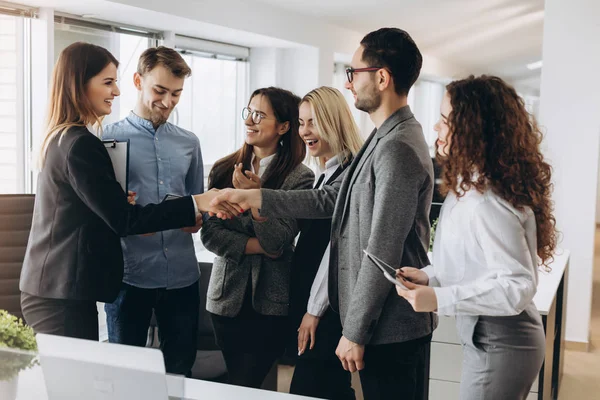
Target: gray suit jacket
point(382, 205)
point(232, 268)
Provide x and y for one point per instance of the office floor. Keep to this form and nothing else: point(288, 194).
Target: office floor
point(581, 379)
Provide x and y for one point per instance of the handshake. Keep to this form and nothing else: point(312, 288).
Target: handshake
point(224, 204)
point(228, 203)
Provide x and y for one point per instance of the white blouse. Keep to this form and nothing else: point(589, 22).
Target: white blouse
point(484, 256)
point(263, 164)
point(319, 297)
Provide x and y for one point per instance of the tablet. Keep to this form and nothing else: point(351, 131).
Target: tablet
point(388, 271)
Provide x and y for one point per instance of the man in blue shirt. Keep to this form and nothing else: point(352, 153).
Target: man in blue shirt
point(161, 270)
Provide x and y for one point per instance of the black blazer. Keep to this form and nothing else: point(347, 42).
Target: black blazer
point(74, 250)
point(310, 248)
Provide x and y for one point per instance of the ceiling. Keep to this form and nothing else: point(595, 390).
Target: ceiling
point(104, 10)
point(482, 36)
point(478, 36)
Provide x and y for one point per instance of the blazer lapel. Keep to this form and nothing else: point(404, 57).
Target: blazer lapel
point(350, 177)
point(390, 124)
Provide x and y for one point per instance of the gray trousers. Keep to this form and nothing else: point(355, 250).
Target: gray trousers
point(502, 356)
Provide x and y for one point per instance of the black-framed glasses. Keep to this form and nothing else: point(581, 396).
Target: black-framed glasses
point(350, 71)
point(256, 116)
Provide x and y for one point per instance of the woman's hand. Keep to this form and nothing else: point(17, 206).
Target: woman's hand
point(131, 197)
point(413, 275)
point(245, 179)
point(245, 199)
point(253, 247)
point(273, 256)
point(421, 298)
point(307, 331)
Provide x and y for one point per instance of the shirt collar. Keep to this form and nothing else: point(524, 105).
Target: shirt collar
point(263, 164)
point(332, 162)
point(265, 161)
point(140, 122)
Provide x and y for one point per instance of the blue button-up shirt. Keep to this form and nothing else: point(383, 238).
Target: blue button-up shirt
point(161, 161)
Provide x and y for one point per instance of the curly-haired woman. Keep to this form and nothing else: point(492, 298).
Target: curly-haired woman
point(496, 224)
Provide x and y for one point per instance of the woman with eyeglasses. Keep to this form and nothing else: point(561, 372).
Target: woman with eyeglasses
point(248, 293)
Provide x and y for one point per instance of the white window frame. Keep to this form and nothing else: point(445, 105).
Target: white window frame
point(23, 16)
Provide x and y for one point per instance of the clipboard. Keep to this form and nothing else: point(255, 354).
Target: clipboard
point(119, 156)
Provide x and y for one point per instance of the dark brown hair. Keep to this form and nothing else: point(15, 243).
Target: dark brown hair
point(69, 104)
point(495, 144)
point(395, 50)
point(290, 153)
point(165, 56)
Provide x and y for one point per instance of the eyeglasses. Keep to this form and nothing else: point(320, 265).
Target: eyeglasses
point(350, 71)
point(256, 116)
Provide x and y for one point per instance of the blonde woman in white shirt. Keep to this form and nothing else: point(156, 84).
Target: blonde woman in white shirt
point(495, 226)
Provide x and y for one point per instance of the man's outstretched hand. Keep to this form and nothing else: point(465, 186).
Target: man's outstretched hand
point(222, 209)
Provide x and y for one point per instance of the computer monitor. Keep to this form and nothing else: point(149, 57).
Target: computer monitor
point(76, 369)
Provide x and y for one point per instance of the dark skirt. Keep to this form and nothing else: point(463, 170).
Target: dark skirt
point(249, 331)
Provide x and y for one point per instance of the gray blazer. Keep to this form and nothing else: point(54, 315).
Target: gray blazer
point(232, 268)
point(382, 205)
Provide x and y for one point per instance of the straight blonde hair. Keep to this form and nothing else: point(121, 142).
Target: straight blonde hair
point(334, 122)
point(69, 105)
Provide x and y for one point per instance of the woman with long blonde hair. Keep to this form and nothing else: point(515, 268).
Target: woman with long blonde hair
point(73, 257)
point(332, 137)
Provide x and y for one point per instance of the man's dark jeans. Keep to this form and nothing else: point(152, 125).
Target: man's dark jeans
point(128, 319)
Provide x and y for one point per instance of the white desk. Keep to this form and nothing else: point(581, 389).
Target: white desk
point(31, 386)
point(550, 300)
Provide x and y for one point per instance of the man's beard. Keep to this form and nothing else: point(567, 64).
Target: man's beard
point(368, 101)
point(157, 118)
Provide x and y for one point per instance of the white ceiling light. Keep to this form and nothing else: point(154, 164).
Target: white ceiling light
point(535, 65)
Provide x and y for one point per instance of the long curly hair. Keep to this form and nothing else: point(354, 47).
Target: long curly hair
point(495, 144)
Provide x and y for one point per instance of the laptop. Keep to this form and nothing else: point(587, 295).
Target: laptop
point(76, 369)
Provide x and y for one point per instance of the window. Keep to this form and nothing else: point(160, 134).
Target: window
point(210, 107)
point(425, 99)
point(13, 141)
point(126, 47)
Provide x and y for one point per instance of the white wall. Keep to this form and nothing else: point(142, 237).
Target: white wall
point(569, 107)
point(598, 198)
point(263, 71)
point(297, 69)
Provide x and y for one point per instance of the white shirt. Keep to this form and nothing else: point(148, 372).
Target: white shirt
point(263, 164)
point(319, 297)
point(484, 256)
